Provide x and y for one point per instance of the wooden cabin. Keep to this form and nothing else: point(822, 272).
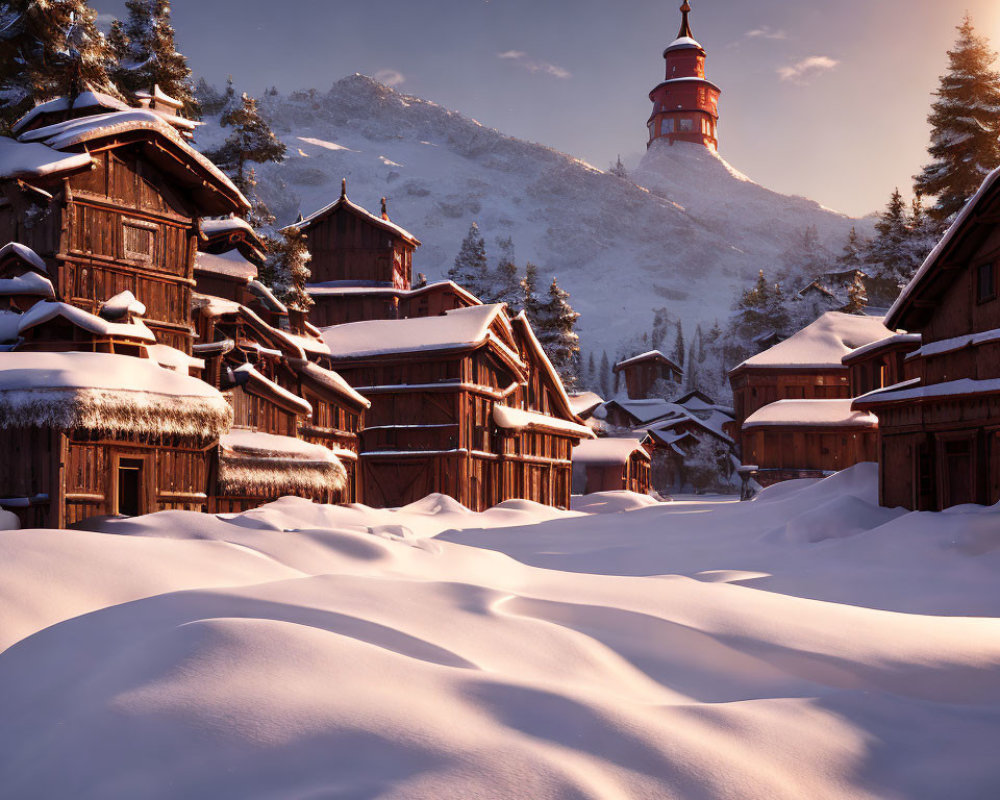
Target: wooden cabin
point(649, 375)
point(24, 279)
point(611, 464)
point(111, 203)
point(352, 246)
point(465, 404)
point(807, 438)
point(940, 429)
point(805, 366)
point(882, 363)
point(89, 444)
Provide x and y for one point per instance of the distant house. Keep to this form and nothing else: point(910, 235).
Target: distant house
point(611, 464)
point(940, 426)
point(648, 374)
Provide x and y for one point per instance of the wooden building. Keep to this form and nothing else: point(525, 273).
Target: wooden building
point(882, 363)
point(685, 103)
point(940, 426)
point(611, 464)
point(112, 203)
point(649, 375)
point(806, 366)
point(807, 438)
point(465, 404)
point(337, 304)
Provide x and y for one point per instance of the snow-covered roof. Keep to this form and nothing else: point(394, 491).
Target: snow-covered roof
point(102, 391)
point(821, 344)
point(25, 253)
point(171, 358)
point(911, 391)
point(258, 463)
point(75, 132)
point(896, 311)
point(609, 450)
point(651, 355)
point(711, 422)
point(329, 378)
point(159, 96)
point(30, 283)
point(266, 296)
point(457, 328)
point(682, 42)
point(582, 402)
point(343, 202)
point(897, 339)
point(212, 226)
point(518, 419)
point(647, 410)
point(811, 414)
point(89, 99)
point(346, 288)
point(253, 377)
point(231, 264)
point(47, 310)
point(33, 160)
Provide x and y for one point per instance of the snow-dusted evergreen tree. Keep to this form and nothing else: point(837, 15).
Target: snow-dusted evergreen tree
point(471, 267)
point(607, 376)
point(853, 256)
point(965, 124)
point(209, 99)
point(506, 283)
point(251, 142)
point(924, 233)
point(692, 375)
point(677, 354)
point(48, 49)
point(554, 325)
point(618, 169)
point(759, 312)
point(857, 296)
point(286, 271)
point(707, 467)
point(590, 376)
point(889, 252)
point(147, 55)
point(530, 301)
point(230, 104)
point(806, 258)
point(661, 327)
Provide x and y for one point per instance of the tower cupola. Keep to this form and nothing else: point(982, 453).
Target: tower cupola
point(685, 104)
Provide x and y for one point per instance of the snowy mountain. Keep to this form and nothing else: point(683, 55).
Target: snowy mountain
point(700, 230)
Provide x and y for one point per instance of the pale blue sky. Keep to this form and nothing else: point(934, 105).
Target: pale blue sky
point(825, 99)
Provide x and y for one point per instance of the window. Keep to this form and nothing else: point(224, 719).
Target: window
point(986, 288)
point(687, 125)
point(666, 126)
point(139, 239)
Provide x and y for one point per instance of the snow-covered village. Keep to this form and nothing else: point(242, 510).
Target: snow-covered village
point(499, 400)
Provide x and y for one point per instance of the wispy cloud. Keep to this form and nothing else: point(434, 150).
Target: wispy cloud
point(525, 61)
point(390, 77)
point(802, 71)
point(764, 32)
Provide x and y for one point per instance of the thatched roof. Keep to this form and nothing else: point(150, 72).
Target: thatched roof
point(113, 394)
point(264, 465)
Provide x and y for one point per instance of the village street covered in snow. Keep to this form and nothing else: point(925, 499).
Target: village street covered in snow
point(807, 644)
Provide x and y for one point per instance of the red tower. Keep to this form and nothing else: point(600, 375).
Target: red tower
point(685, 105)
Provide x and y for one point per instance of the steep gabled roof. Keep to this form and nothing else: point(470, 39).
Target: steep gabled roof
point(531, 342)
point(343, 204)
point(915, 304)
point(652, 355)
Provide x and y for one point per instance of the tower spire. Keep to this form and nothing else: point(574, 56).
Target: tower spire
point(685, 25)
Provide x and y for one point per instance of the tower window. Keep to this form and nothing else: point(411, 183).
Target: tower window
point(666, 126)
point(687, 125)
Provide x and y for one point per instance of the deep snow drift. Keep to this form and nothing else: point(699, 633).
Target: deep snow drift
point(805, 645)
point(705, 233)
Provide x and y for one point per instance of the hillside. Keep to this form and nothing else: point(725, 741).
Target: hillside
point(440, 171)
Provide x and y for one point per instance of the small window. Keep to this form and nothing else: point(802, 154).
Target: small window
point(687, 125)
point(667, 126)
point(139, 239)
point(986, 282)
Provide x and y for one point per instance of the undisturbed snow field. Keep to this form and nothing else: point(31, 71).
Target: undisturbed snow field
point(805, 645)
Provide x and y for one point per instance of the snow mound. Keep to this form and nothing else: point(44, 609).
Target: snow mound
point(301, 650)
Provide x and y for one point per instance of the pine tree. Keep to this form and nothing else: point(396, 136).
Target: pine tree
point(209, 99)
point(806, 259)
point(286, 271)
point(147, 56)
point(592, 378)
point(230, 104)
point(554, 325)
point(661, 323)
point(691, 373)
point(530, 302)
point(618, 169)
point(965, 124)
point(252, 141)
point(677, 356)
point(47, 50)
point(471, 268)
point(888, 251)
point(607, 379)
point(854, 251)
point(857, 296)
point(506, 284)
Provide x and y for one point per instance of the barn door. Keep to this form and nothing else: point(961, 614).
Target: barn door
point(957, 469)
point(131, 495)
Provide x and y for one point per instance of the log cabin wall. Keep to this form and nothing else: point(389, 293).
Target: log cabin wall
point(349, 247)
point(124, 228)
point(783, 452)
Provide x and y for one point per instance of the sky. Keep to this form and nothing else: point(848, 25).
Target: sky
point(823, 99)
